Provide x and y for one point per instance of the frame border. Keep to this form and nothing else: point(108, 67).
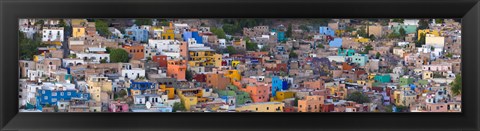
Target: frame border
point(12, 10)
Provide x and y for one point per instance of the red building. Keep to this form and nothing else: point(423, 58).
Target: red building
point(161, 60)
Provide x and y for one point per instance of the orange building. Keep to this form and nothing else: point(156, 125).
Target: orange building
point(311, 104)
point(258, 93)
point(177, 69)
point(136, 51)
point(315, 84)
point(184, 50)
point(217, 80)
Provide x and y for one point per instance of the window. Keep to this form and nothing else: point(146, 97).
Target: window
point(61, 93)
point(69, 93)
point(45, 97)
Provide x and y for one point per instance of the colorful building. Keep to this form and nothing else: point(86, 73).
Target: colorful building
point(311, 104)
point(336, 43)
point(383, 78)
point(177, 69)
point(262, 107)
point(278, 84)
point(137, 34)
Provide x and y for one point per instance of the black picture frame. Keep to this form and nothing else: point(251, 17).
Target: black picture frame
point(12, 10)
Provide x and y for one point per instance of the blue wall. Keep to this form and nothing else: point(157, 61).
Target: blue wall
point(278, 85)
point(337, 42)
point(326, 31)
point(187, 35)
point(197, 37)
point(137, 34)
point(67, 95)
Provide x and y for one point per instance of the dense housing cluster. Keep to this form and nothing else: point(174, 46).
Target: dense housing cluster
point(240, 65)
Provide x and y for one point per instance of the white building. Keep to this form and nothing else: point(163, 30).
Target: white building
point(95, 58)
point(72, 62)
point(52, 34)
point(435, 41)
point(133, 73)
point(222, 43)
point(164, 45)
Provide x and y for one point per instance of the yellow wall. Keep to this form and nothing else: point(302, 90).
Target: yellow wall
point(427, 31)
point(78, 32)
point(262, 107)
point(282, 95)
point(168, 33)
point(427, 75)
point(235, 63)
point(362, 40)
point(233, 75)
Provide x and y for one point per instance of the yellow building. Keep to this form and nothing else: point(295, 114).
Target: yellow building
point(204, 57)
point(282, 95)
point(371, 76)
point(262, 107)
point(427, 75)
point(235, 63)
point(189, 97)
point(427, 31)
point(97, 85)
point(168, 34)
point(362, 40)
point(339, 32)
point(169, 90)
point(233, 75)
point(78, 31)
point(78, 27)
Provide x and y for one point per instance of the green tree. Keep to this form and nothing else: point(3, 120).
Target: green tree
point(28, 46)
point(72, 56)
point(103, 60)
point(62, 23)
point(393, 35)
point(421, 41)
point(295, 102)
point(289, 30)
point(231, 50)
point(251, 46)
point(264, 48)
point(372, 37)
point(292, 54)
point(321, 46)
point(358, 97)
point(178, 106)
point(367, 49)
point(118, 55)
point(438, 21)
point(189, 75)
point(230, 28)
point(377, 55)
point(449, 55)
point(143, 21)
point(362, 32)
point(219, 32)
point(398, 20)
point(457, 85)
point(122, 93)
point(102, 28)
point(402, 32)
point(423, 24)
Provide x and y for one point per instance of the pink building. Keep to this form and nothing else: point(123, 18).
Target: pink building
point(118, 107)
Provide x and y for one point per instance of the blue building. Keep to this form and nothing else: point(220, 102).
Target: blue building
point(358, 59)
point(281, 36)
point(278, 84)
point(346, 52)
point(187, 35)
point(197, 37)
point(141, 86)
point(137, 34)
point(337, 43)
point(51, 97)
point(323, 30)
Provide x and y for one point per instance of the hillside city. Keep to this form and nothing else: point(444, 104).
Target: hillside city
point(240, 65)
